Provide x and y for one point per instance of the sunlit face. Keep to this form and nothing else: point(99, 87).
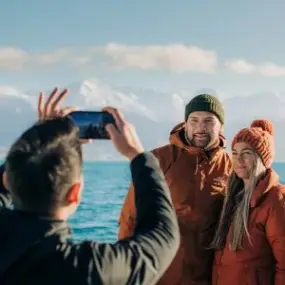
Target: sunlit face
point(203, 128)
point(244, 159)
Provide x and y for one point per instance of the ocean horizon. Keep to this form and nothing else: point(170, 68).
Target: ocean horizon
point(105, 187)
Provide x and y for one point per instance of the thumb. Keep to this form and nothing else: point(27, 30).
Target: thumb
point(112, 131)
point(67, 110)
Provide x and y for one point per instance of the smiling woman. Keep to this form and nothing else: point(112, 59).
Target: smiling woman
point(250, 238)
point(245, 160)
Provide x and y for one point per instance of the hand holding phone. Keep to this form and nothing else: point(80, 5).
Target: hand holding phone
point(92, 124)
point(123, 135)
point(98, 125)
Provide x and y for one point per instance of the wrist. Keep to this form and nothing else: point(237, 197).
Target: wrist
point(133, 154)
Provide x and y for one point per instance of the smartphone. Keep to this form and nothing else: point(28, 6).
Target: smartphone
point(92, 124)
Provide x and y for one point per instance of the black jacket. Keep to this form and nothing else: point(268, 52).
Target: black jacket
point(34, 250)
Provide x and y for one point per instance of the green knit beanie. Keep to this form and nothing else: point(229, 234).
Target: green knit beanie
point(205, 103)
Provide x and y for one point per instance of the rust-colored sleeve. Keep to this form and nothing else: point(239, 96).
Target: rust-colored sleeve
point(275, 230)
point(127, 219)
point(128, 215)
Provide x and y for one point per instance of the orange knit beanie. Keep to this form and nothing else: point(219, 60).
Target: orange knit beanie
point(260, 137)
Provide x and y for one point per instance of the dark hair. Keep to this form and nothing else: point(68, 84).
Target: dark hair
point(42, 164)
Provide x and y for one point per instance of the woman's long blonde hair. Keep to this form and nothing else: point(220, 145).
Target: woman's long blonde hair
point(235, 211)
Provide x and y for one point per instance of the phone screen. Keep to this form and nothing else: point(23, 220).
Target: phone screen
point(92, 124)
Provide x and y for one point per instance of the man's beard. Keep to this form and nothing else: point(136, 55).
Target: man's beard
point(202, 140)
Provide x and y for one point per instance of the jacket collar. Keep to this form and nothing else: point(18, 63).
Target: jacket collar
point(39, 226)
point(22, 231)
point(177, 137)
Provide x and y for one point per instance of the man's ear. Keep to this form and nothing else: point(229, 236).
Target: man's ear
point(5, 180)
point(74, 193)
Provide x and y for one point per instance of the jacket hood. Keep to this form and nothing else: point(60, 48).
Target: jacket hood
point(21, 231)
point(177, 137)
point(270, 180)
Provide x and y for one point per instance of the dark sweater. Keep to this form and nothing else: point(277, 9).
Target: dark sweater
point(37, 251)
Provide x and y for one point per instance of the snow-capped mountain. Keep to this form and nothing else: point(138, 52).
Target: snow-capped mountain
point(153, 113)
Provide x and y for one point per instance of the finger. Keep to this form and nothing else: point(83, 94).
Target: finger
point(58, 100)
point(49, 102)
point(41, 105)
point(117, 115)
point(112, 131)
point(66, 111)
point(114, 110)
point(85, 141)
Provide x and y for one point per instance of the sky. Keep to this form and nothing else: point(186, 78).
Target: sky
point(231, 47)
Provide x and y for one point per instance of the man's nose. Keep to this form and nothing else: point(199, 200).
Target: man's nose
point(202, 127)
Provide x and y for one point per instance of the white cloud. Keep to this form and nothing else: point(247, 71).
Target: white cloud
point(9, 90)
point(6, 90)
point(239, 66)
point(176, 58)
point(272, 70)
point(12, 58)
point(267, 69)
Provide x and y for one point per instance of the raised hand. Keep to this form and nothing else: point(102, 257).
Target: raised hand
point(123, 135)
point(51, 108)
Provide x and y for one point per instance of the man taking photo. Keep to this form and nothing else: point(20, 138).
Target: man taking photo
point(43, 175)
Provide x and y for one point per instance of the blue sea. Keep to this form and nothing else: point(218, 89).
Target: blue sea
point(105, 187)
point(106, 184)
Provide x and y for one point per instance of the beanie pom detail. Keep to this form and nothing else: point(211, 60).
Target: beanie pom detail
point(260, 137)
point(265, 125)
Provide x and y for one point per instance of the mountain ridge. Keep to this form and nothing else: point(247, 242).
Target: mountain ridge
point(153, 113)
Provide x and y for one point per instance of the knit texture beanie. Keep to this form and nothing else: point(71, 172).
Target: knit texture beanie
point(260, 137)
point(206, 103)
